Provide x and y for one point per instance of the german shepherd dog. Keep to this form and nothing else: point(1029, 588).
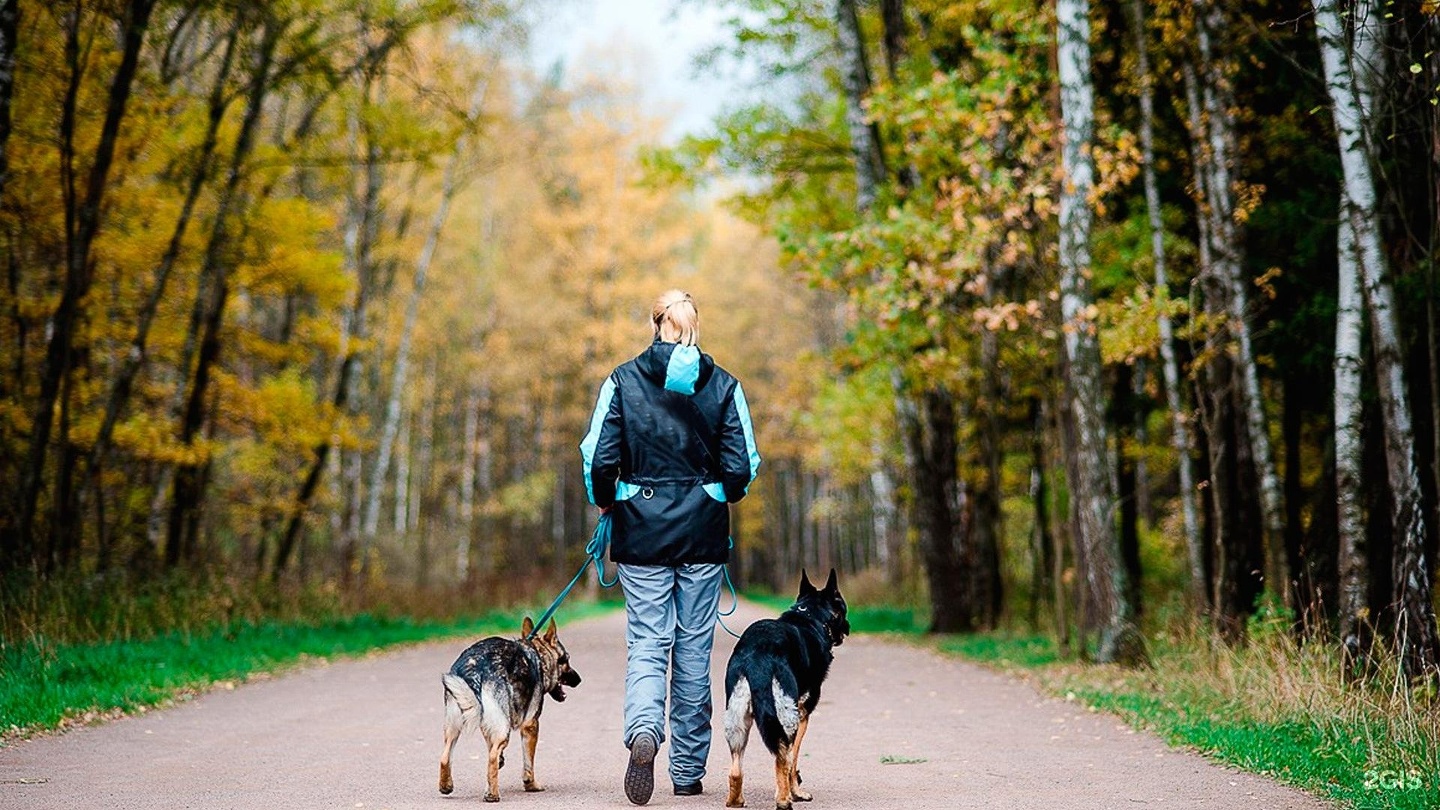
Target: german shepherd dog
point(773, 680)
point(499, 685)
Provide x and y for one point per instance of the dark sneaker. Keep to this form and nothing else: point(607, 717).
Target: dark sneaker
point(692, 789)
point(640, 774)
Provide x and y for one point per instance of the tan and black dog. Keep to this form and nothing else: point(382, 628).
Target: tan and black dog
point(773, 681)
point(499, 685)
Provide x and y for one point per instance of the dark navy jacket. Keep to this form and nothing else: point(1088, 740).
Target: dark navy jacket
point(670, 483)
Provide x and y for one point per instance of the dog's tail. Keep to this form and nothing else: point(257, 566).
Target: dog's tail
point(774, 700)
point(462, 707)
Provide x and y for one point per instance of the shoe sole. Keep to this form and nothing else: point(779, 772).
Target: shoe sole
point(640, 774)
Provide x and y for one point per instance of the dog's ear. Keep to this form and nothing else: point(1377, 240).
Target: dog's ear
point(550, 631)
point(805, 587)
point(831, 586)
point(527, 627)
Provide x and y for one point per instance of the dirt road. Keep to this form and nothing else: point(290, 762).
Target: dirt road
point(366, 734)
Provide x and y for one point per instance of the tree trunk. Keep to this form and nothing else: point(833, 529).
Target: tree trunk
point(402, 475)
point(135, 359)
point(1041, 542)
point(1227, 241)
point(892, 18)
point(467, 485)
point(355, 253)
point(1415, 632)
point(82, 225)
point(9, 30)
point(864, 136)
point(1106, 579)
point(400, 373)
point(1170, 368)
point(929, 432)
point(1349, 470)
point(985, 530)
point(1126, 477)
point(188, 489)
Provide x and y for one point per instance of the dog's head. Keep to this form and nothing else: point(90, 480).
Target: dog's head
point(825, 605)
point(556, 672)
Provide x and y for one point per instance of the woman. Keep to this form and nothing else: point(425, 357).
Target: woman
point(670, 446)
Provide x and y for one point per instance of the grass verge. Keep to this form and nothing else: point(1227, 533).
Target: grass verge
point(47, 685)
point(1271, 707)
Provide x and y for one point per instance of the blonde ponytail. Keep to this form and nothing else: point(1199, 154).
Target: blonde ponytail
point(675, 318)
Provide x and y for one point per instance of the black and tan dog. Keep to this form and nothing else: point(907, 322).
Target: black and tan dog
point(773, 681)
point(499, 685)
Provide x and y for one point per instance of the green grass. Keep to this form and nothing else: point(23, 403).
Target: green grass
point(1002, 649)
point(45, 684)
point(863, 618)
point(1272, 707)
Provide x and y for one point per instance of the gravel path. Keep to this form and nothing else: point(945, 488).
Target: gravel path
point(367, 734)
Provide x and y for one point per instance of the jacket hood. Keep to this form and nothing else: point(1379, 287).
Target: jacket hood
point(675, 367)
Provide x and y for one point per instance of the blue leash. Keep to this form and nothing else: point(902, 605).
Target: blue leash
point(595, 551)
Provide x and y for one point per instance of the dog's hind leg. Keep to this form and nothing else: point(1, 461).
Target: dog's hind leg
point(529, 736)
point(739, 716)
point(492, 774)
point(784, 776)
point(458, 700)
point(798, 793)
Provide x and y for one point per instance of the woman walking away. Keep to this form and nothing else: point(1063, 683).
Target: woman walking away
point(669, 447)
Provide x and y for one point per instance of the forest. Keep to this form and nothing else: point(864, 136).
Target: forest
point(1084, 317)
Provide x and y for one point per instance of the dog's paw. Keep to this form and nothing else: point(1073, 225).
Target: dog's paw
point(534, 787)
point(492, 797)
point(784, 806)
point(740, 802)
point(801, 795)
point(447, 788)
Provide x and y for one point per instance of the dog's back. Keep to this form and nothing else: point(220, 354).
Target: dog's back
point(773, 681)
point(491, 686)
point(774, 671)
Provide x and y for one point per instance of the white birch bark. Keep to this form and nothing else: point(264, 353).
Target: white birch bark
point(402, 477)
point(1091, 490)
point(421, 478)
point(1170, 367)
point(1415, 634)
point(1218, 99)
point(1349, 369)
point(400, 372)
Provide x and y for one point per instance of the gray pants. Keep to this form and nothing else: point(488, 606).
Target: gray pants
point(670, 625)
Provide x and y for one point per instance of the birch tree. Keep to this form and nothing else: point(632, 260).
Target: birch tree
point(1226, 236)
point(1170, 367)
point(1415, 633)
point(1106, 580)
point(400, 371)
point(1364, 64)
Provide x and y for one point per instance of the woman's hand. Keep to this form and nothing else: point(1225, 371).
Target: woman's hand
point(605, 510)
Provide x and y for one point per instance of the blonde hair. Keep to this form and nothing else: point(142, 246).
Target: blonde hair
point(675, 318)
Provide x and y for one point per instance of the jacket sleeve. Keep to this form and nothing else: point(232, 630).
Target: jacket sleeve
point(600, 449)
point(739, 460)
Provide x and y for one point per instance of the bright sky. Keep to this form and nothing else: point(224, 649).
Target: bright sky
point(650, 43)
